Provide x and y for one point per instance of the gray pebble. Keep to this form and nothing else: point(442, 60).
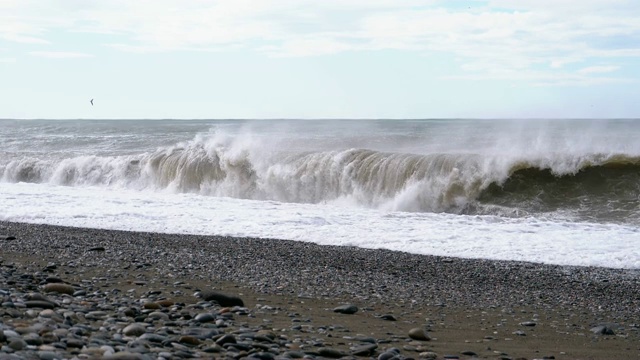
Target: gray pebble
point(346, 309)
point(134, 330)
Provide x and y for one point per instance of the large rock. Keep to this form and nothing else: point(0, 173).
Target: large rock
point(222, 299)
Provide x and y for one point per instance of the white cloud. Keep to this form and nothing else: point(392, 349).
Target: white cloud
point(490, 37)
point(598, 69)
point(543, 78)
point(59, 54)
point(309, 46)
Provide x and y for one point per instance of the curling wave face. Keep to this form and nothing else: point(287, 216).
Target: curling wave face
point(581, 185)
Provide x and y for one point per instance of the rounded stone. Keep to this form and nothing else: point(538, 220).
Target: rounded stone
point(201, 333)
point(125, 355)
point(96, 315)
point(429, 355)
point(48, 355)
point(134, 330)
point(226, 339)
point(17, 344)
point(222, 299)
point(39, 304)
point(190, 340)
point(346, 309)
point(75, 343)
point(49, 338)
point(32, 339)
point(388, 355)
point(364, 350)
point(47, 313)
point(130, 312)
point(151, 305)
point(602, 330)
point(59, 288)
point(204, 317)
point(157, 315)
point(165, 303)
point(154, 338)
point(419, 334)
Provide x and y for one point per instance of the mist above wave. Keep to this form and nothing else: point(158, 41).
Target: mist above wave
point(533, 176)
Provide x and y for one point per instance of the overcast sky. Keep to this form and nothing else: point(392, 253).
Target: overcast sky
point(319, 58)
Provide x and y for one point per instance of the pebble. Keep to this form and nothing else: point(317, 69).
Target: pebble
point(40, 304)
point(331, 353)
point(97, 320)
point(364, 350)
point(388, 317)
point(419, 334)
point(205, 318)
point(428, 355)
point(222, 299)
point(346, 309)
point(133, 330)
point(602, 330)
point(59, 288)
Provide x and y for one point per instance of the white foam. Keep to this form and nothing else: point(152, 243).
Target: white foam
point(490, 237)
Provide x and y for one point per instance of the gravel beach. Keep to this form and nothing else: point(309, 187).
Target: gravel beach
point(89, 293)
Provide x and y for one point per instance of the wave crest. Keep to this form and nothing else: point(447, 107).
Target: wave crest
point(446, 182)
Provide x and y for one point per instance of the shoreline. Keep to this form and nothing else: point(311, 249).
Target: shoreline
point(467, 304)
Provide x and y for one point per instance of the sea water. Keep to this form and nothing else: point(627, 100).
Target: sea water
point(553, 191)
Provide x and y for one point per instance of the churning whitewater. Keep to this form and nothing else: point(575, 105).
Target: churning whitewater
point(577, 172)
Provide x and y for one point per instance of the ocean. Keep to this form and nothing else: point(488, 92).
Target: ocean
point(563, 192)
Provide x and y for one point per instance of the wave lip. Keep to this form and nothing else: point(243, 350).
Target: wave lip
point(588, 186)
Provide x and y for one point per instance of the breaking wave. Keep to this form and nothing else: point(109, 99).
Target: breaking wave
point(589, 186)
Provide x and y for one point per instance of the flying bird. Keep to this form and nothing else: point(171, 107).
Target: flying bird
point(91, 102)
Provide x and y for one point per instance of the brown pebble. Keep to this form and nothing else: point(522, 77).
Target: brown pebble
point(59, 288)
point(151, 305)
point(165, 303)
point(189, 340)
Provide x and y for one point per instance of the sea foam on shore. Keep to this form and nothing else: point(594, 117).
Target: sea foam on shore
point(486, 237)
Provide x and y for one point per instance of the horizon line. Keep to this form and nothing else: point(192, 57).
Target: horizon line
point(321, 118)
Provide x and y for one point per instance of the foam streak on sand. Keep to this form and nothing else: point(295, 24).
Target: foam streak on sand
point(490, 237)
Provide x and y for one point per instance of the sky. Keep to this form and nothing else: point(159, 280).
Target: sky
point(209, 59)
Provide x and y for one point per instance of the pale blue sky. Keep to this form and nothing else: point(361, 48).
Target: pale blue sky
point(319, 59)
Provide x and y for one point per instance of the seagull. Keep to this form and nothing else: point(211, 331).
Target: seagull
point(91, 102)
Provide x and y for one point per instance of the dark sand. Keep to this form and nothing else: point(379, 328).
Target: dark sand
point(467, 305)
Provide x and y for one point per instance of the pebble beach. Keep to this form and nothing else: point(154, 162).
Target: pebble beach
point(77, 293)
